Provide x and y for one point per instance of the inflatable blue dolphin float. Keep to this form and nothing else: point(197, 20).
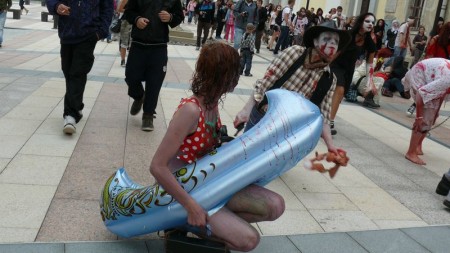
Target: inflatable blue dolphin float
point(288, 132)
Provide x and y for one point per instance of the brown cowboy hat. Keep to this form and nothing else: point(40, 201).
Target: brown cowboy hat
point(329, 26)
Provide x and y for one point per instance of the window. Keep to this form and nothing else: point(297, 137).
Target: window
point(416, 8)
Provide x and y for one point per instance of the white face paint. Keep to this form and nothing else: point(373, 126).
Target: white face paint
point(327, 43)
point(368, 24)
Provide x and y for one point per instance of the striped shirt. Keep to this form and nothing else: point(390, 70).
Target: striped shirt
point(304, 80)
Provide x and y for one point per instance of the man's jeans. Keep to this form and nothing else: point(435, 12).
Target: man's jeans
point(398, 51)
point(2, 24)
point(238, 32)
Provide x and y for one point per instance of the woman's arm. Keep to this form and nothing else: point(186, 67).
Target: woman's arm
point(183, 123)
point(121, 7)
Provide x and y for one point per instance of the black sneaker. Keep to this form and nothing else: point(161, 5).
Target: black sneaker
point(136, 106)
point(443, 187)
point(257, 51)
point(147, 123)
point(122, 63)
point(370, 103)
point(411, 110)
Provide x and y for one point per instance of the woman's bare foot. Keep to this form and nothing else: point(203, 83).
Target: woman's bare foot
point(415, 159)
point(419, 152)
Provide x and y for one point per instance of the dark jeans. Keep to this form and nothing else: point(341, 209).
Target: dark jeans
point(258, 37)
point(219, 30)
point(76, 62)
point(149, 64)
point(255, 117)
point(205, 26)
point(283, 40)
point(394, 84)
point(246, 61)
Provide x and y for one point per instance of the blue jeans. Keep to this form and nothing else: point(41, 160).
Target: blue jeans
point(2, 24)
point(246, 61)
point(254, 118)
point(190, 15)
point(238, 32)
point(398, 51)
point(282, 40)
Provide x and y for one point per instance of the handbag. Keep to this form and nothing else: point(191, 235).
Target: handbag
point(352, 93)
point(115, 25)
point(176, 242)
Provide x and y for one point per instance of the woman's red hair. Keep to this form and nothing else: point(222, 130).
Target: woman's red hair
point(216, 72)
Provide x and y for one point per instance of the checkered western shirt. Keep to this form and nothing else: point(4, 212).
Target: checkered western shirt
point(303, 81)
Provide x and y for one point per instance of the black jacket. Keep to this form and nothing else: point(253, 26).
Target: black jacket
point(156, 32)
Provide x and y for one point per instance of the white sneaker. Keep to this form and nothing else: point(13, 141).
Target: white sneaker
point(69, 125)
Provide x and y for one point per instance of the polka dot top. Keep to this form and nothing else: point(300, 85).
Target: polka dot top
point(203, 140)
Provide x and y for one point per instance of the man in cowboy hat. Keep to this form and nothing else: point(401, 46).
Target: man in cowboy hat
point(304, 70)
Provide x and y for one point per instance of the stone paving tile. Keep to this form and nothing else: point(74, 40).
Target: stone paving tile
point(18, 127)
point(387, 241)
point(33, 248)
point(11, 145)
point(326, 201)
point(3, 163)
point(274, 244)
point(112, 247)
point(28, 202)
point(28, 112)
point(377, 204)
point(34, 170)
point(50, 144)
point(326, 243)
point(341, 220)
point(390, 224)
point(435, 239)
point(16, 235)
point(291, 222)
point(74, 220)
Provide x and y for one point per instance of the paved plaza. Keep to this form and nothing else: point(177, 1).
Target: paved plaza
point(50, 183)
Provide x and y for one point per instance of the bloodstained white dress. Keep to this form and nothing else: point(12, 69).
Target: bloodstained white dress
point(431, 79)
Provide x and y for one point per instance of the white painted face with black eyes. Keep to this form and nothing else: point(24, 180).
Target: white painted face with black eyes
point(327, 43)
point(368, 24)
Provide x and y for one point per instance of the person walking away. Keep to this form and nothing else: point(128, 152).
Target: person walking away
point(147, 59)
point(125, 31)
point(80, 26)
point(286, 26)
point(4, 7)
point(245, 12)
point(247, 49)
point(262, 18)
point(205, 11)
point(301, 21)
point(22, 7)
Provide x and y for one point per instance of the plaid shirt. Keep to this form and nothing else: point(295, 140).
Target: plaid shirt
point(303, 81)
point(249, 42)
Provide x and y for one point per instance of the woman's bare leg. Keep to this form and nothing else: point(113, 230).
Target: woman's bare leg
point(255, 203)
point(236, 233)
point(412, 155)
